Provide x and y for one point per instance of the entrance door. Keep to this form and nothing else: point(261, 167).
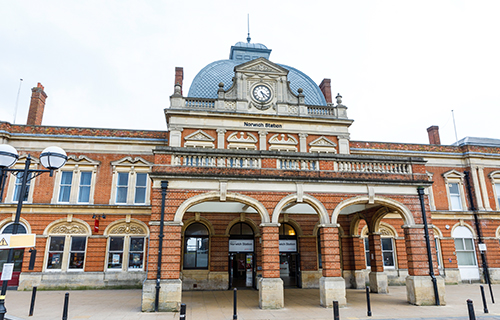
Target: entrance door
point(18, 263)
point(241, 270)
point(290, 269)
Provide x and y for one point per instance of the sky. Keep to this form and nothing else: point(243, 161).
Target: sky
point(401, 66)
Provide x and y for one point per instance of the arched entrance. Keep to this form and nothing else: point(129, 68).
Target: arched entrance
point(242, 259)
point(289, 256)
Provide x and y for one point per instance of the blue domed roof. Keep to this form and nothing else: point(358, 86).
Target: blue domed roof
point(206, 82)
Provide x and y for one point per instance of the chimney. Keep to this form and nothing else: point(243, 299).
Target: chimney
point(325, 87)
point(433, 132)
point(179, 76)
point(37, 105)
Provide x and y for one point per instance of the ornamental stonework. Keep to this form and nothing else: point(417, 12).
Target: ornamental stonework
point(127, 228)
point(68, 228)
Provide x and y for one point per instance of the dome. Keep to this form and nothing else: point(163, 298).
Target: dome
point(206, 82)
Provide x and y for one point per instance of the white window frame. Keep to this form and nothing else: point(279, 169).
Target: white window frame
point(65, 253)
point(77, 165)
point(11, 185)
point(455, 177)
point(387, 232)
point(126, 252)
point(132, 167)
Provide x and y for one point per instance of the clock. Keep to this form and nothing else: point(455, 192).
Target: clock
point(261, 93)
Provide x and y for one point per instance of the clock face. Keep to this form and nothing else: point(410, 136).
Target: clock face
point(261, 93)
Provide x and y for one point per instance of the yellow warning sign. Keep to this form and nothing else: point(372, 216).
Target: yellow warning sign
point(8, 241)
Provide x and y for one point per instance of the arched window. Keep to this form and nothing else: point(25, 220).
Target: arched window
point(21, 229)
point(67, 247)
point(126, 247)
point(196, 247)
point(241, 229)
point(287, 230)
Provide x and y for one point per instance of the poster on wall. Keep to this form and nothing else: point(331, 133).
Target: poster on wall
point(249, 271)
point(288, 245)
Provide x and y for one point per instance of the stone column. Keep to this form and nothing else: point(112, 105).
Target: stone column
point(303, 142)
point(271, 294)
point(262, 140)
point(419, 287)
point(378, 278)
point(221, 138)
point(331, 285)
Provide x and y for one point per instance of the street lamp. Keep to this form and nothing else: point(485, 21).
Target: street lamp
point(51, 158)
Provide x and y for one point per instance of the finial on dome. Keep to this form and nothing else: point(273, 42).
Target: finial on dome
point(248, 22)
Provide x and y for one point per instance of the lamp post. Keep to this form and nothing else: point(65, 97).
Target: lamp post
point(51, 158)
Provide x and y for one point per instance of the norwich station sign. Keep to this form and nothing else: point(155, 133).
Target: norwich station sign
point(10, 241)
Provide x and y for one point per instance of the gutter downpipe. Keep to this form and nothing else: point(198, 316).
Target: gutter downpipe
point(486, 271)
point(420, 191)
point(164, 185)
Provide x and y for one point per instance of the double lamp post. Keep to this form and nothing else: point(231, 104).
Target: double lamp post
point(51, 158)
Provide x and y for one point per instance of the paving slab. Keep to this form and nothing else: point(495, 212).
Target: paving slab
point(218, 305)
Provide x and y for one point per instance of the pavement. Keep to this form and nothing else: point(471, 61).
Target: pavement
point(218, 305)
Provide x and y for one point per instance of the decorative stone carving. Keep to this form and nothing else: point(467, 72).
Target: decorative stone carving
point(323, 144)
point(242, 140)
point(283, 142)
point(261, 67)
point(128, 228)
point(68, 228)
point(199, 139)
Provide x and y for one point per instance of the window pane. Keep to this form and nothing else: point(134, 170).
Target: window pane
point(10, 228)
point(202, 255)
point(459, 244)
point(141, 179)
point(469, 244)
point(388, 259)
point(56, 244)
point(386, 244)
point(454, 188)
point(65, 188)
point(456, 202)
point(115, 260)
point(76, 260)
point(197, 229)
point(136, 244)
point(135, 260)
point(84, 194)
point(85, 178)
point(497, 187)
point(189, 260)
point(78, 243)
point(121, 195)
point(84, 191)
point(466, 258)
point(122, 179)
point(54, 260)
point(116, 244)
point(17, 189)
point(367, 252)
point(140, 195)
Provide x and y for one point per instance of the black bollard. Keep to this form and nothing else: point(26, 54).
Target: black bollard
point(32, 305)
point(182, 315)
point(65, 309)
point(485, 307)
point(470, 307)
point(235, 307)
point(368, 306)
point(336, 315)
